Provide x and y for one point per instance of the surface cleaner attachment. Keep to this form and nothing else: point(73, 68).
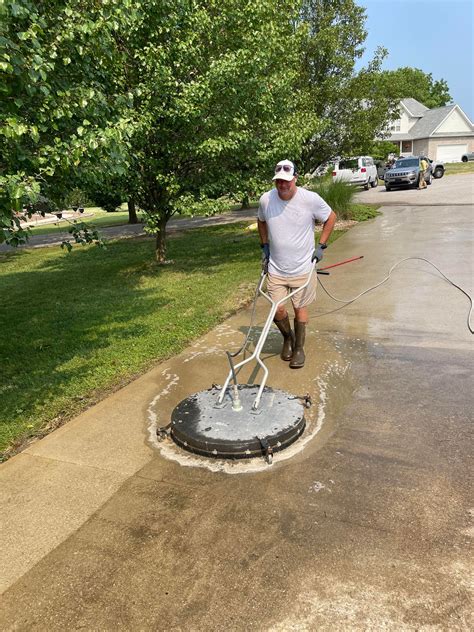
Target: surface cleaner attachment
point(238, 421)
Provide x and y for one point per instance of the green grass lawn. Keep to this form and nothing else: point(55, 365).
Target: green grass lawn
point(363, 212)
point(99, 219)
point(76, 326)
point(453, 168)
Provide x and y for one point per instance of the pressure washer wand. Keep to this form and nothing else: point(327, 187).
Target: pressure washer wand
point(341, 263)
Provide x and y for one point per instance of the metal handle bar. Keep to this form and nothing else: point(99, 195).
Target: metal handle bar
point(261, 341)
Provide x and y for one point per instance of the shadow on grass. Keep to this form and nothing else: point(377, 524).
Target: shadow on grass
point(8, 256)
point(74, 324)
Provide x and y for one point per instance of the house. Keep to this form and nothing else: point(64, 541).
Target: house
point(444, 133)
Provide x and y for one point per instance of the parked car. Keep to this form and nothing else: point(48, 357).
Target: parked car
point(406, 172)
point(437, 167)
point(468, 156)
point(381, 168)
point(360, 171)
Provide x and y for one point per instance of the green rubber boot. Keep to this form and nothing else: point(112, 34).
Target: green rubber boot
point(288, 338)
point(298, 357)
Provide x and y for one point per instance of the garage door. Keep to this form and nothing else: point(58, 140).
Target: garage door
point(450, 153)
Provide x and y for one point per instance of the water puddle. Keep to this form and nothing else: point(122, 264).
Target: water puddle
point(326, 378)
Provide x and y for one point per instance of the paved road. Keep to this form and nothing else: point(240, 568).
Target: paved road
point(448, 190)
point(134, 230)
point(365, 524)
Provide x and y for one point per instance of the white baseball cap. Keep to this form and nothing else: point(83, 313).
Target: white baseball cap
point(284, 170)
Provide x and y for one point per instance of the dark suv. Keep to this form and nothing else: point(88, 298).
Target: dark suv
point(406, 173)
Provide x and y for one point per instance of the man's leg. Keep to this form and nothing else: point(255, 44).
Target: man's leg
point(282, 321)
point(301, 314)
point(281, 312)
point(277, 289)
point(293, 343)
point(301, 303)
point(301, 320)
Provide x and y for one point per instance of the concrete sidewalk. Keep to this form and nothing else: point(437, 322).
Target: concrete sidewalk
point(363, 524)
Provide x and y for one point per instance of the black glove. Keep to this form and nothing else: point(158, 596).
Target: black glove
point(318, 253)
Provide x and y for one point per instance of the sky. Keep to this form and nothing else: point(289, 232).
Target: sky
point(433, 35)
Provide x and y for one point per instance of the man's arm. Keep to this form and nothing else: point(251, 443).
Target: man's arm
point(263, 231)
point(328, 227)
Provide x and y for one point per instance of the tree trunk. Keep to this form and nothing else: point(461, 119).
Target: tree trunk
point(245, 201)
point(160, 248)
point(132, 211)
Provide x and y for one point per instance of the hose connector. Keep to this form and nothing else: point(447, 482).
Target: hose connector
point(236, 404)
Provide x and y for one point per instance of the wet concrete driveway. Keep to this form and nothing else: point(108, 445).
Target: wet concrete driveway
point(449, 190)
point(364, 525)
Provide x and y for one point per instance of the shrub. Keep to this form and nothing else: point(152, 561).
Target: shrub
point(362, 212)
point(77, 197)
point(42, 206)
point(339, 195)
point(109, 200)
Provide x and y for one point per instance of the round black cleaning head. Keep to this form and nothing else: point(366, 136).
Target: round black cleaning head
point(202, 426)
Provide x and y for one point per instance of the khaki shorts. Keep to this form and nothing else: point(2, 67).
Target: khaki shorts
point(279, 287)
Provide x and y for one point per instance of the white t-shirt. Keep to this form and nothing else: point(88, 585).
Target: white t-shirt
point(291, 229)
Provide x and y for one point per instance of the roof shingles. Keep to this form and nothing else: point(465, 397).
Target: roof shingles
point(426, 125)
point(428, 121)
point(414, 107)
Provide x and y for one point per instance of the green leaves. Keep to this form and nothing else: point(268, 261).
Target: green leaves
point(59, 75)
point(177, 104)
point(412, 82)
point(16, 193)
point(204, 104)
point(82, 234)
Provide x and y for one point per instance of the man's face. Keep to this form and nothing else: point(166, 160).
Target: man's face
point(286, 188)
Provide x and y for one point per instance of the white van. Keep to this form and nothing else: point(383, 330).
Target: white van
point(359, 171)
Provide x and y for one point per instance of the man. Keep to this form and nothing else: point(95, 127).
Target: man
point(423, 167)
point(286, 220)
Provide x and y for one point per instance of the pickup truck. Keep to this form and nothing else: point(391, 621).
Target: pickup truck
point(437, 168)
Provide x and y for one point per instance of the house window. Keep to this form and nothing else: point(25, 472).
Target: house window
point(395, 125)
point(407, 147)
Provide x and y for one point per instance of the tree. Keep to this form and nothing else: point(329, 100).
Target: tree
point(186, 100)
point(412, 82)
point(380, 149)
point(59, 110)
point(212, 102)
point(370, 107)
point(109, 192)
point(351, 108)
point(176, 104)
